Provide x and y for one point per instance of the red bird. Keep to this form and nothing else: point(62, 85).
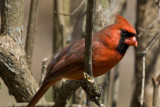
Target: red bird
point(108, 48)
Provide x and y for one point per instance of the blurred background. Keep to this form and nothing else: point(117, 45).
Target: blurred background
point(44, 41)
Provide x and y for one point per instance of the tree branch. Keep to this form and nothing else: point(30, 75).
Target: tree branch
point(145, 63)
point(65, 91)
point(92, 89)
point(143, 82)
point(44, 66)
point(31, 31)
point(47, 104)
point(156, 37)
point(90, 86)
point(143, 71)
point(72, 13)
point(13, 67)
point(88, 38)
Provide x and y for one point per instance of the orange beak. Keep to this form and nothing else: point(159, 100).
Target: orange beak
point(132, 41)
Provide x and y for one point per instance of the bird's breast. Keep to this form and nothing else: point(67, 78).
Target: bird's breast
point(104, 59)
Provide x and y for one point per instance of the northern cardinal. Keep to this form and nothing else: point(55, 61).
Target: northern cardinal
point(109, 46)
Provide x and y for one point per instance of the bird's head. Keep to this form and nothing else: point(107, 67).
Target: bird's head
point(125, 33)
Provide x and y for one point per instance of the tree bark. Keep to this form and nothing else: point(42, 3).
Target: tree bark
point(146, 14)
point(13, 67)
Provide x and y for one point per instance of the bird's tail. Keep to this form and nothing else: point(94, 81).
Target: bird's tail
point(41, 92)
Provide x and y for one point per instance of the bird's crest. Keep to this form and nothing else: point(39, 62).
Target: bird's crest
point(124, 24)
point(120, 19)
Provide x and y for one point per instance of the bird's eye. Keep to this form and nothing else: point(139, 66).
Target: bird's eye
point(124, 32)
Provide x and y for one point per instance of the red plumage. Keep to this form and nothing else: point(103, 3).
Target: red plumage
point(109, 46)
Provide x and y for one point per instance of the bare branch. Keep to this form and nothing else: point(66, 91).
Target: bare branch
point(90, 86)
point(72, 13)
point(152, 42)
point(143, 83)
point(65, 91)
point(149, 27)
point(47, 104)
point(44, 66)
point(156, 37)
point(31, 31)
point(143, 71)
point(92, 89)
point(88, 38)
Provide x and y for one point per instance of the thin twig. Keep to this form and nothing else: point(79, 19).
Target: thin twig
point(149, 26)
point(72, 13)
point(146, 30)
point(44, 66)
point(143, 82)
point(88, 37)
point(156, 37)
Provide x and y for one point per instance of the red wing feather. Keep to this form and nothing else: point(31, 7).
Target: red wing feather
point(64, 62)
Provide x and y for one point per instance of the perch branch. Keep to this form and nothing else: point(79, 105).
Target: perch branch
point(69, 87)
point(92, 89)
point(65, 91)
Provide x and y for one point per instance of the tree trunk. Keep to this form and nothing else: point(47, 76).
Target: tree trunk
point(146, 14)
point(13, 67)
